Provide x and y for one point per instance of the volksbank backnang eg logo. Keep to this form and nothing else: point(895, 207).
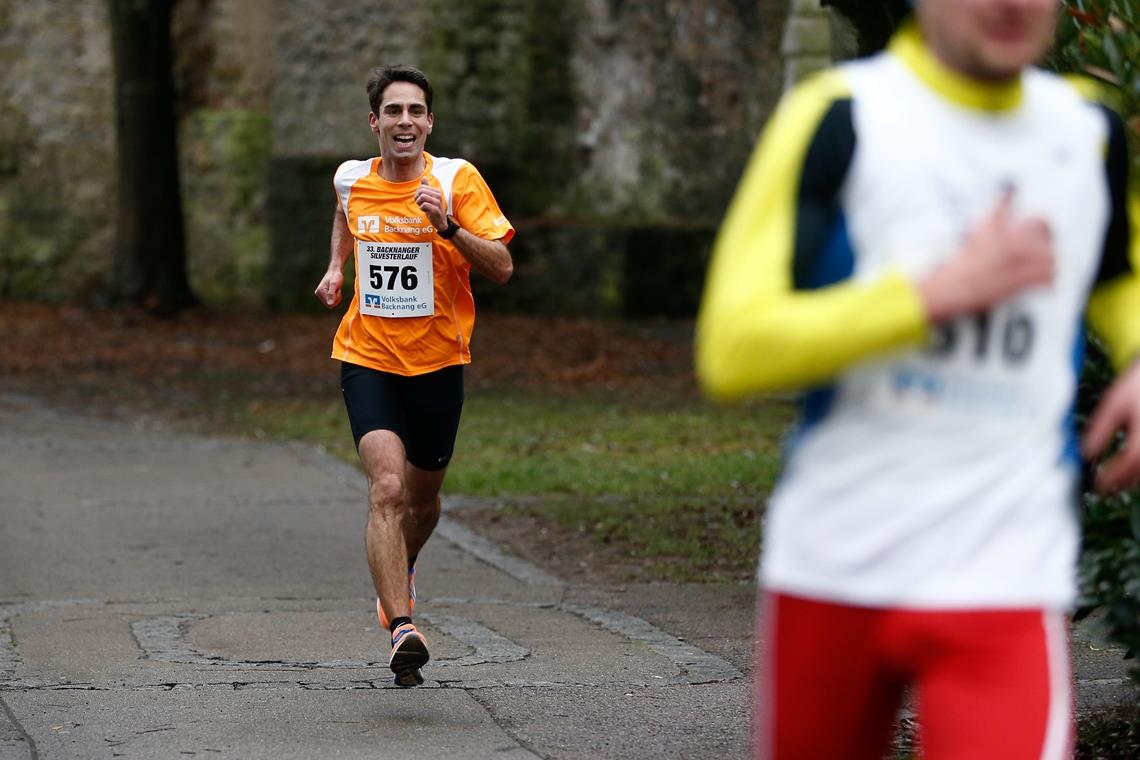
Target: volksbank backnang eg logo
point(373, 299)
point(368, 224)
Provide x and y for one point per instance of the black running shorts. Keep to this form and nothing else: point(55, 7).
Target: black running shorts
point(423, 410)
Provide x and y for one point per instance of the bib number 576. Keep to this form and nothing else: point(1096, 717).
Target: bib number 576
point(408, 277)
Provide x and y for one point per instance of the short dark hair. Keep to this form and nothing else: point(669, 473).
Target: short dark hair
point(380, 78)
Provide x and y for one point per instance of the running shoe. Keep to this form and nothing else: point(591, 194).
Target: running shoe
point(409, 654)
point(384, 622)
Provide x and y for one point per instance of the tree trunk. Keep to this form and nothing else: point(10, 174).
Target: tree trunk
point(150, 255)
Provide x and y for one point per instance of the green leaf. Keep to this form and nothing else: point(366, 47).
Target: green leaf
point(1112, 52)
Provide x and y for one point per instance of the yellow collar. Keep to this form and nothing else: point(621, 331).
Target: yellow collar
point(909, 46)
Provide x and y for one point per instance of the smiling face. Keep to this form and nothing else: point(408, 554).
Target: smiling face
point(401, 124)
point(990, 40)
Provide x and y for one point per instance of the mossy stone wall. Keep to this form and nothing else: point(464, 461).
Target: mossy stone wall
point(56, 148)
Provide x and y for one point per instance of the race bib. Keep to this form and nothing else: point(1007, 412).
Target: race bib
point(396, 279)
point(976, 365)
point(922, 389)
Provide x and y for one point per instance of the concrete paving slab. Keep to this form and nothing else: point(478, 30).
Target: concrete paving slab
point(711, 617)
point(474, 644)
point(255, 723)
point(681, 722)
point(14, 743)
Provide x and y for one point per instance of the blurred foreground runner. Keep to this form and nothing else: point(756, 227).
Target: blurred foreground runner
point(916, 243)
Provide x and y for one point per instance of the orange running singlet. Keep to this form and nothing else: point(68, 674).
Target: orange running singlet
point(412, 310)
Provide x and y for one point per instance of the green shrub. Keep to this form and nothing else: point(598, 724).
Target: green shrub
point(1101, 39)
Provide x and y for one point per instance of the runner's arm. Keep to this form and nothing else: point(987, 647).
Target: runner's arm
point(1114, 307)
point(780, 308)
point(1114, 315)
point(340, 248)
point(490, 258)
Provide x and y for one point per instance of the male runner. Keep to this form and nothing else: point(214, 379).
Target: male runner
point(916, 242)
point(416, 225)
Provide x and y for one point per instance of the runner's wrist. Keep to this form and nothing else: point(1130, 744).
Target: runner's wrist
point(450, 230)
point(938, 297)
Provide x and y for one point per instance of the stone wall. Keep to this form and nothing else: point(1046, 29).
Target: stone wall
point(225, 67)
point(608, 129)
point(56, 147)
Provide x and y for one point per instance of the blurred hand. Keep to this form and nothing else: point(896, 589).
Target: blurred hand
point(431, 201)
point(1118, 410)
point(328, 292)
point(1001, 257)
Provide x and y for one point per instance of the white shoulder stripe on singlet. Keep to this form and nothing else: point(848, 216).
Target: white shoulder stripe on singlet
point(445, 169)
point(346, 176)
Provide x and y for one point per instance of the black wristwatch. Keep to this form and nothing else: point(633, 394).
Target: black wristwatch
point(452, 228)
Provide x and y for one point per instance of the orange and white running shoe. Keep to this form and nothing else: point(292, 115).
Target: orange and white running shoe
point(409, 654)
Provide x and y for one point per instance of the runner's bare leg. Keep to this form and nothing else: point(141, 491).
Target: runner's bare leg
point(382, 454)
point(421, 490)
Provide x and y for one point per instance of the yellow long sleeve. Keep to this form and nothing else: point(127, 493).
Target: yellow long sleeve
point(1114, 308)
point(755, 331)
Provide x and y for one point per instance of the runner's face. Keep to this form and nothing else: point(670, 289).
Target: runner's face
point(403, 124)
point(990, 40)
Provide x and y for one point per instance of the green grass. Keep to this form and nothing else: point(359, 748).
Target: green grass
point(676, 483)
point(598, 446)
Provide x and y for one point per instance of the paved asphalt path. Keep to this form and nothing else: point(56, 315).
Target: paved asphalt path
point(164, 595)
point(170, 596)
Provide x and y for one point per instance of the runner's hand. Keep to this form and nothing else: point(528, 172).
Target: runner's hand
point(1001, 258)
point(1118, 410)
point(430, 200)
point(328, 292)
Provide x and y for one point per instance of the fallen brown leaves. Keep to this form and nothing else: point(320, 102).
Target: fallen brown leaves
point(289, 353)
